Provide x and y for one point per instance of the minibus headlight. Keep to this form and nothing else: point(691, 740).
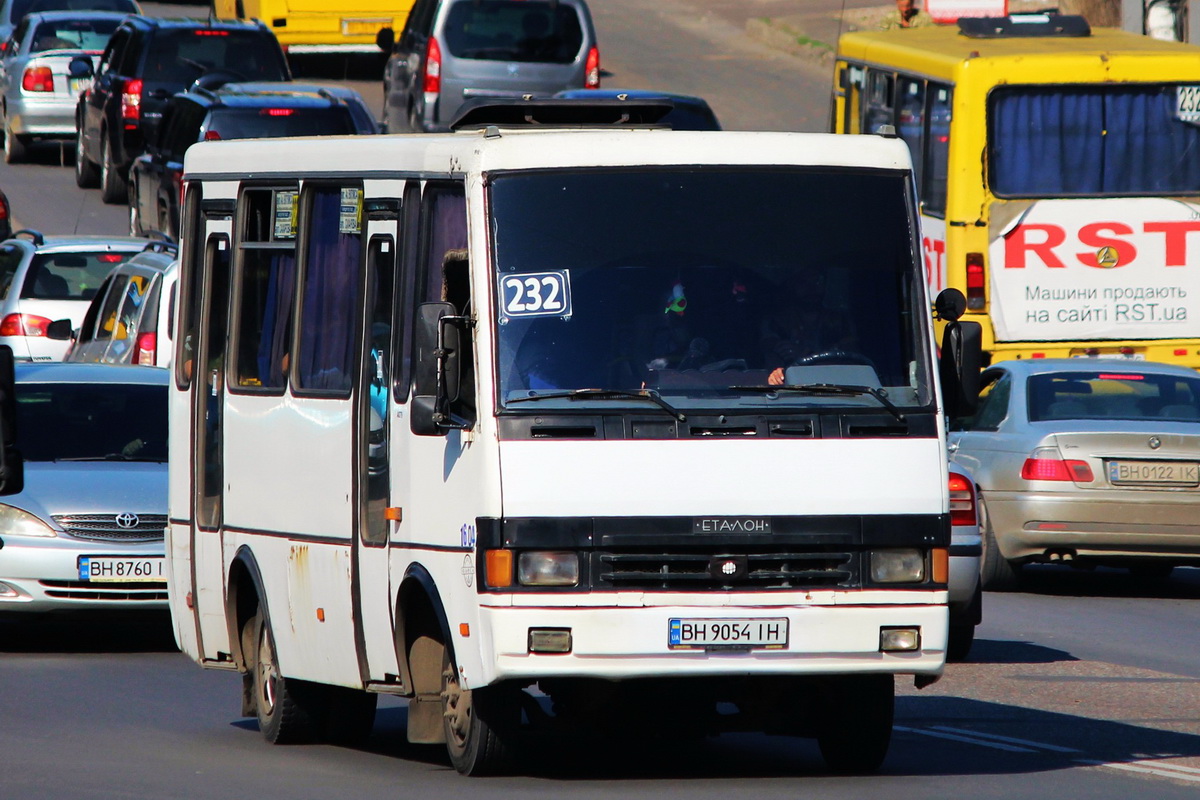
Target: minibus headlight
point(15, 522)
point(546, 568)
point(903, 565)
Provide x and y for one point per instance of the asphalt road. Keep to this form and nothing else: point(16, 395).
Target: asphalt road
point(1083, 685)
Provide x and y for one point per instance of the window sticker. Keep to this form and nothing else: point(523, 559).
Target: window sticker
point(350, 218)
point(535, 294)
point(1187, 104)
point(286, 203)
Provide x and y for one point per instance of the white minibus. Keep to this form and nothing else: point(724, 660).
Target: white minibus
point(625, 430)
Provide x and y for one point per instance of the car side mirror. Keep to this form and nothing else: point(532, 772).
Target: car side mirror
point(59, 330)
point(12, 466)
point(385, 39)
point(81, 67)
point(961, 356)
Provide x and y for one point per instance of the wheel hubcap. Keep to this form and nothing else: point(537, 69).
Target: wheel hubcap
point(457, 707)
point(267, 676)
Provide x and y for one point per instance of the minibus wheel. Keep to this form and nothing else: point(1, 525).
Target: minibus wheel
point(854, 728)
point(288, 710)
point(474, 722)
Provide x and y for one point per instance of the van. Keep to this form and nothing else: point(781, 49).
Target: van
point(451, 51)
point(606, 414)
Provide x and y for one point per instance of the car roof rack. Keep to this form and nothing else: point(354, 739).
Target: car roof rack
point(561, 112)
point(1047, 23)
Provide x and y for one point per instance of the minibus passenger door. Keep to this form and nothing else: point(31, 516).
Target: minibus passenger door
point(208, 462)
point(373, 406)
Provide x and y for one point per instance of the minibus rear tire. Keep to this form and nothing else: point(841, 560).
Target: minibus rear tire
point(288, 709)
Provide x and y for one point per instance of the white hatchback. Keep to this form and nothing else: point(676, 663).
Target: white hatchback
point(45, 278)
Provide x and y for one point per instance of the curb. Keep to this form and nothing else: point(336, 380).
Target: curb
point(783, 36)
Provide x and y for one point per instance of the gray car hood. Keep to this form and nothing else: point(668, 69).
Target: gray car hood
point(92, 487)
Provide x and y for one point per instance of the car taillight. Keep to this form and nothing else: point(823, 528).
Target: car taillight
point(147, 344)
point(1047, 464)
point(38, 79)
point(975, 281)
point(962, 501)
point(591, 69)
point(278, 112)
point(23, 325)
point(212, 136)
point(3, 207)
point(131, 101)
point(433, 68)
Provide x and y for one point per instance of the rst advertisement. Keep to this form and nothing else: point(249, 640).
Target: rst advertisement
point(1077, 270)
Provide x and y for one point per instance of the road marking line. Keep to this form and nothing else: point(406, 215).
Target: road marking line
point(939, 735)
point(1161, 771)
point(995, 737)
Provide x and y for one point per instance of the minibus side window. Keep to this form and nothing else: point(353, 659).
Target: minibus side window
point(877, 109)
point(910, 123)
point(329, 309)
point(402, 325)
point(191, 279)
point(266, 288)
point(937, 163)
point(445, 275)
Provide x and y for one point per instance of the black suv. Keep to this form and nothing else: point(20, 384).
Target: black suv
point(233, 111)
point(146, 61)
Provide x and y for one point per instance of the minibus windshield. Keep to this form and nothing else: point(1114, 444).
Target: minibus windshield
point(1079, 141)
point(704, 285)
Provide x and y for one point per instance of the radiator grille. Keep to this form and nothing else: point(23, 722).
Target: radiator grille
point(104, 527)
point(696, 570)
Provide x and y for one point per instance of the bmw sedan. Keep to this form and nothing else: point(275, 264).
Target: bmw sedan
point(1085, 462)
point(86, 531)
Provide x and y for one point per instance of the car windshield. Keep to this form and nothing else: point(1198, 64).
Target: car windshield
point(707, 287)
point(181, 56)
point(513, 30)
point(77, 34)
point(252, 123)
point(1075, 141)
point(1113, 394)
point(69, 276)
point(92, 421)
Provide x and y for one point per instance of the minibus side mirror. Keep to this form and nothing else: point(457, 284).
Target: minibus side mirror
point(961, 357)
point(12, 467)
point(436, 369)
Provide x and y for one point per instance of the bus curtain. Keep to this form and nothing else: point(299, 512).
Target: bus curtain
point(328, 315)
point(1077, 141)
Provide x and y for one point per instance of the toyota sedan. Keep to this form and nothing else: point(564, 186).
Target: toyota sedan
point(86, 532)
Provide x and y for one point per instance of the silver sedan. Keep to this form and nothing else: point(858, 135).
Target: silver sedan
point(86, 532)
point(1085, 462)
point(39, 97)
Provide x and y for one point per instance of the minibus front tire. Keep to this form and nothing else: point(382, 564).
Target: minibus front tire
point(479, 724)
point(855, 723)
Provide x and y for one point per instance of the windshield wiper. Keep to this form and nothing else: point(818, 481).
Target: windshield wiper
point(112, 457)
point(830, 389)
point(606, 394)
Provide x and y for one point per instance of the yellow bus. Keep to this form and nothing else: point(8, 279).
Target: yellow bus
point(1058, 172)
point(321, 26)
